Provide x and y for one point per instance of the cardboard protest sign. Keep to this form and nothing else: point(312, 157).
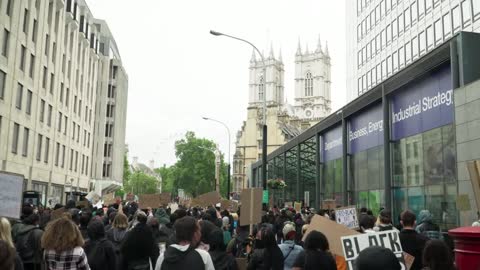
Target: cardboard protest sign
point(354, 244)
point(463, 202)
point(81, 204)
point(347, 216)
point(298, 207)
point(409, 259)
point(474, 172)
point(332, 230)
point(149, 200)
point(231, 206)
point(165, 198)
point(56, 214)
point(329, 204)
point(251, 209)
point(11, 186)
point(109, 199)
point(288, 204)
point(209, 199)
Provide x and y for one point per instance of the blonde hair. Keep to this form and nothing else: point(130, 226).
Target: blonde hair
point(6, 231)
point(62, 235)
point(120, 221)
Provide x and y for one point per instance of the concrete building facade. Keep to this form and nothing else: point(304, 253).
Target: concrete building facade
point(385, 36)
point(49, 72)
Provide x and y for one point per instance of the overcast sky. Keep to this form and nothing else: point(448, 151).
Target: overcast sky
point(178, 72)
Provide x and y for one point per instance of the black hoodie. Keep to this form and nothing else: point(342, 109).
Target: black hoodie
point(175, 258)
point(100, 251)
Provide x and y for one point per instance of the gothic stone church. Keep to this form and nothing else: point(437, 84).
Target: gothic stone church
point(284, 121)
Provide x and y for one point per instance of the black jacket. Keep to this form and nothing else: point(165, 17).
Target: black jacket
point(413, 243)
point(176, 259)
point(28, 238)
point(100, 251)
point(223, 261)
point(263, 259)
point(139, 246)
point(315, 259)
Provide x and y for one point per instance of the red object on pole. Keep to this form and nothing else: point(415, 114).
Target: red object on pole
point(467, 247)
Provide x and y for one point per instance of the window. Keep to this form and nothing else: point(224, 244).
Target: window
point(382, 8)
point(57, 154)
point(50, 13)
point(389, 33)
point(76, 161)
point(60, 119)
point(19, 98)
point(34, 30)
point(47, 149)
point(44, 81)
point(368, 48)
point(457, 20)
point(383, 37)
point(74, 104)
point(47, 44)
point(421, 9)
point(422, 42)
point(25, 21)
point(83, 164)
point(401, 57)
point(384, 69)
point(8, 10)
point(438, 31)
point(428, 5)
point(60, 98)
point(414, 48)
point(32, 65)
point(26, 132)
point(63, 156)
point(65, 126)
point(71, 159)
point(39, 147)
point(52, 83)
point(379, 73)
point(260, 91)
point(394, 29)
point(395, 61)
point(73, 131)
point(86, 166)
point(49, 119)
point(377, 44)
point(16, 130)
point(28, 108)
point(54, 52)
point(377, 14)
point(42, 110)
point(23, 51)
point(407, 18)
point(430, 38)
point(389, 65)
point(3, 76)
point(447, 25)
point(413, 9)
point(388, 5)
point(67, 97)
point(6, 38)
point(466, 13)
point(476, 9)
point(408, 52)
point(308, 87)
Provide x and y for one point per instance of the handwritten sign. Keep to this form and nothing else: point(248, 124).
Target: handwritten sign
point(353, 245)
point(149, 200)
point(347, 216)
point(329, 204)
point(11, 186)
point(298, 207)
point(251, 208)
point(109, 199)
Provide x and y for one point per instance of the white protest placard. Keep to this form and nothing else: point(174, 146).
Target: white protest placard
point(11, 186)
point(353, 245)
point(347, 216)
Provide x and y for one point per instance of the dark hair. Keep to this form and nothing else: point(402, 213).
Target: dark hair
point(316, 241)
point(215, 240)
point(206, 227)
point(363, 210)
point(408, 218)
point(142, 217)
point(385, 216)
point(95, 230)
point(84, 219)
point(185, 228)
point(268, 237)
point(367, 222)
point(437, 256)
point(31, 219)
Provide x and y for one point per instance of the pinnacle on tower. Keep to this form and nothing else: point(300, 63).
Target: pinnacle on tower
point(326, 48)
point(319, 45)
point(280, 55)
point(271, 56)
point(253, 59)
point(299, 48)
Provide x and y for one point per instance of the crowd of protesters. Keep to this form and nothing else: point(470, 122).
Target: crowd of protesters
point(122, 236)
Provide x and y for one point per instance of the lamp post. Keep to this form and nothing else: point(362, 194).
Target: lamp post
point(229, 157)
point(264, 133)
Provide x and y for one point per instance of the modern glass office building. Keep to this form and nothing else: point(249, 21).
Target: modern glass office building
point(394, 147)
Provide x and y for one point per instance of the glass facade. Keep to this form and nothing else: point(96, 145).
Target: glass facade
point(332, 185)
point(308, 170)
point(424, 174)
point(42, 189)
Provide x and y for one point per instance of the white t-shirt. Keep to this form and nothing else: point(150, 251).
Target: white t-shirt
point(207, 260)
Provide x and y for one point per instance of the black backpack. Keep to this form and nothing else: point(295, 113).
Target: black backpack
point(26, 245)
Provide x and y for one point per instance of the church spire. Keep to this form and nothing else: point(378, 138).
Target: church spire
point(271, 56)
point(319, 45)
point(253, 58)
point(299, 48)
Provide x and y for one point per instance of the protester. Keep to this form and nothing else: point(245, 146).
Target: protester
point(227, 235)
point(27, 238)
point(63, 243)
point(119, 230)
point(162, 216)
point(289, 249)
point(6, 237)
point(221, 260)
point(437, 256)
point(367, 223)
point(184, 255)
point(7, 256)
point(377, 258)
point(266, 254)
point(426, 226)
point(279, 222)
point(100, 251)
point(412, 242)
point(84, 220)
point(238, 245)
point(138, 249)
point(315, 254)
point(385, 221)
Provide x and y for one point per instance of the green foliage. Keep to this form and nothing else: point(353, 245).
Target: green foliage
point(126, 169)
point(141, 183)
point(194, 170)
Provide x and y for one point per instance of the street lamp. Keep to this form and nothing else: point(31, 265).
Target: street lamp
point(229, 157)
point(264, 133)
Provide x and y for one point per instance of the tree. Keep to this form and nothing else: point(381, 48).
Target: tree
point(141, 183)
point(126, 168)
point(168, 178)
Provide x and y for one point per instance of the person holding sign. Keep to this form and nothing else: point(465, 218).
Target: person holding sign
point(412, 242)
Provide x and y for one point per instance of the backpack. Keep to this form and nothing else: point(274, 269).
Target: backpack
point(26, 246)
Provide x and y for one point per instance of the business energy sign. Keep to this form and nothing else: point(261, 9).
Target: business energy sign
point(332, 144)
point(423, 105)
point(365, 130)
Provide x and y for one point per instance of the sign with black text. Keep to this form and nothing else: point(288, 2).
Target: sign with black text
point(353, 245)
point(347, 216)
